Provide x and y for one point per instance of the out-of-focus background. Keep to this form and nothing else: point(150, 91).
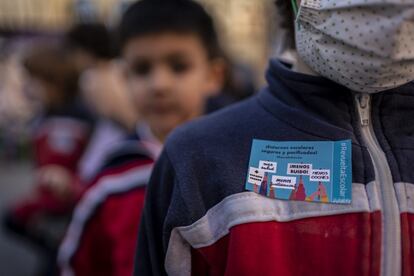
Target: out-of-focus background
point(246, 28)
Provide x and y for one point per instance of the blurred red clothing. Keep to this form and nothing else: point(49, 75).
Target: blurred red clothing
point(102, 235)
point(59, 142)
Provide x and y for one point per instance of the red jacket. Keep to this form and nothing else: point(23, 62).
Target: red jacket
point(59, 142)
point(102, 234)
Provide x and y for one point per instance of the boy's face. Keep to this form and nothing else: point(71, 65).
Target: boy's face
point(170, 76)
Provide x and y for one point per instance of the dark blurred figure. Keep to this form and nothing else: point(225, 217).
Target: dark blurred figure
point(91, 44)
point(60, 136)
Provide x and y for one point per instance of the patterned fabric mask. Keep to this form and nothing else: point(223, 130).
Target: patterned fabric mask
point(366, 45)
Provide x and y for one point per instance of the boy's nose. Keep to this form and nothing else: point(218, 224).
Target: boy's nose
point(160, 81)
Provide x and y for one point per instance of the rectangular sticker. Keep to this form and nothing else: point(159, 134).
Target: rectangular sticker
point(299, 169)
point(283, 182)
point(320, 175)
point(268, 166)
point(315, 171)
point(255, 176)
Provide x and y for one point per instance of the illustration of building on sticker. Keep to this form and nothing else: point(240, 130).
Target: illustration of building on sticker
point(320, 195)
point(263, 186)
point(299, 193)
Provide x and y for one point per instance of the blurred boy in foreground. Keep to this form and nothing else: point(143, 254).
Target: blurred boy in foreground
point(173, 64)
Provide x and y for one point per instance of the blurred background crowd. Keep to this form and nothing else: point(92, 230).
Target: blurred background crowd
point(245, 29)
point(71, 45)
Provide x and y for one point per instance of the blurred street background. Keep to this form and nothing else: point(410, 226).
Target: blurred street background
point(16, 258)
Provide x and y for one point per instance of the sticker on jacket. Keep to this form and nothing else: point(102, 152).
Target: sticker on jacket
point(316, 171)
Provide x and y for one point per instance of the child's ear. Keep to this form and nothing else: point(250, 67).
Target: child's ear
point(217, 76)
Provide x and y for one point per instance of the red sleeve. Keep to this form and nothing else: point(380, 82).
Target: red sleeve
point(102, 235)
point(93, 256)
point(122, 227)
point(107, 245)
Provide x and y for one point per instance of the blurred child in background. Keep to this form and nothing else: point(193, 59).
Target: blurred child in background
point(173, 64)
point(104, 90)
point(59, 140)
point(90, 45)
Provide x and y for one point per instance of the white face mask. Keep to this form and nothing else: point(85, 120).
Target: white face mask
point(365, 45)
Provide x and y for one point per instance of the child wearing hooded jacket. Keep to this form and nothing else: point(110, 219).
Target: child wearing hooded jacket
point(352, 81)
point(173, 65)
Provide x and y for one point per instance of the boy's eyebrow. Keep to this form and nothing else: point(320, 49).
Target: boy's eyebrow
point(169, 56)
point(177, 55)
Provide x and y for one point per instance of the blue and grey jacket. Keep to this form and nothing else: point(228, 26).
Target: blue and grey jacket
point(200, 220)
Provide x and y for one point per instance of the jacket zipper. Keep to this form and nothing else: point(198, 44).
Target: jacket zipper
point(391, 225)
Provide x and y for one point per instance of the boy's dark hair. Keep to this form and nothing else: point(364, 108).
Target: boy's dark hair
point(93, 38)
point(53, 64)
point(287, 19)
point(181, 16)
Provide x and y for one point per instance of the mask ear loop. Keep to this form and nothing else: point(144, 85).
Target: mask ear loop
point(295, 12)
point(295, 7)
